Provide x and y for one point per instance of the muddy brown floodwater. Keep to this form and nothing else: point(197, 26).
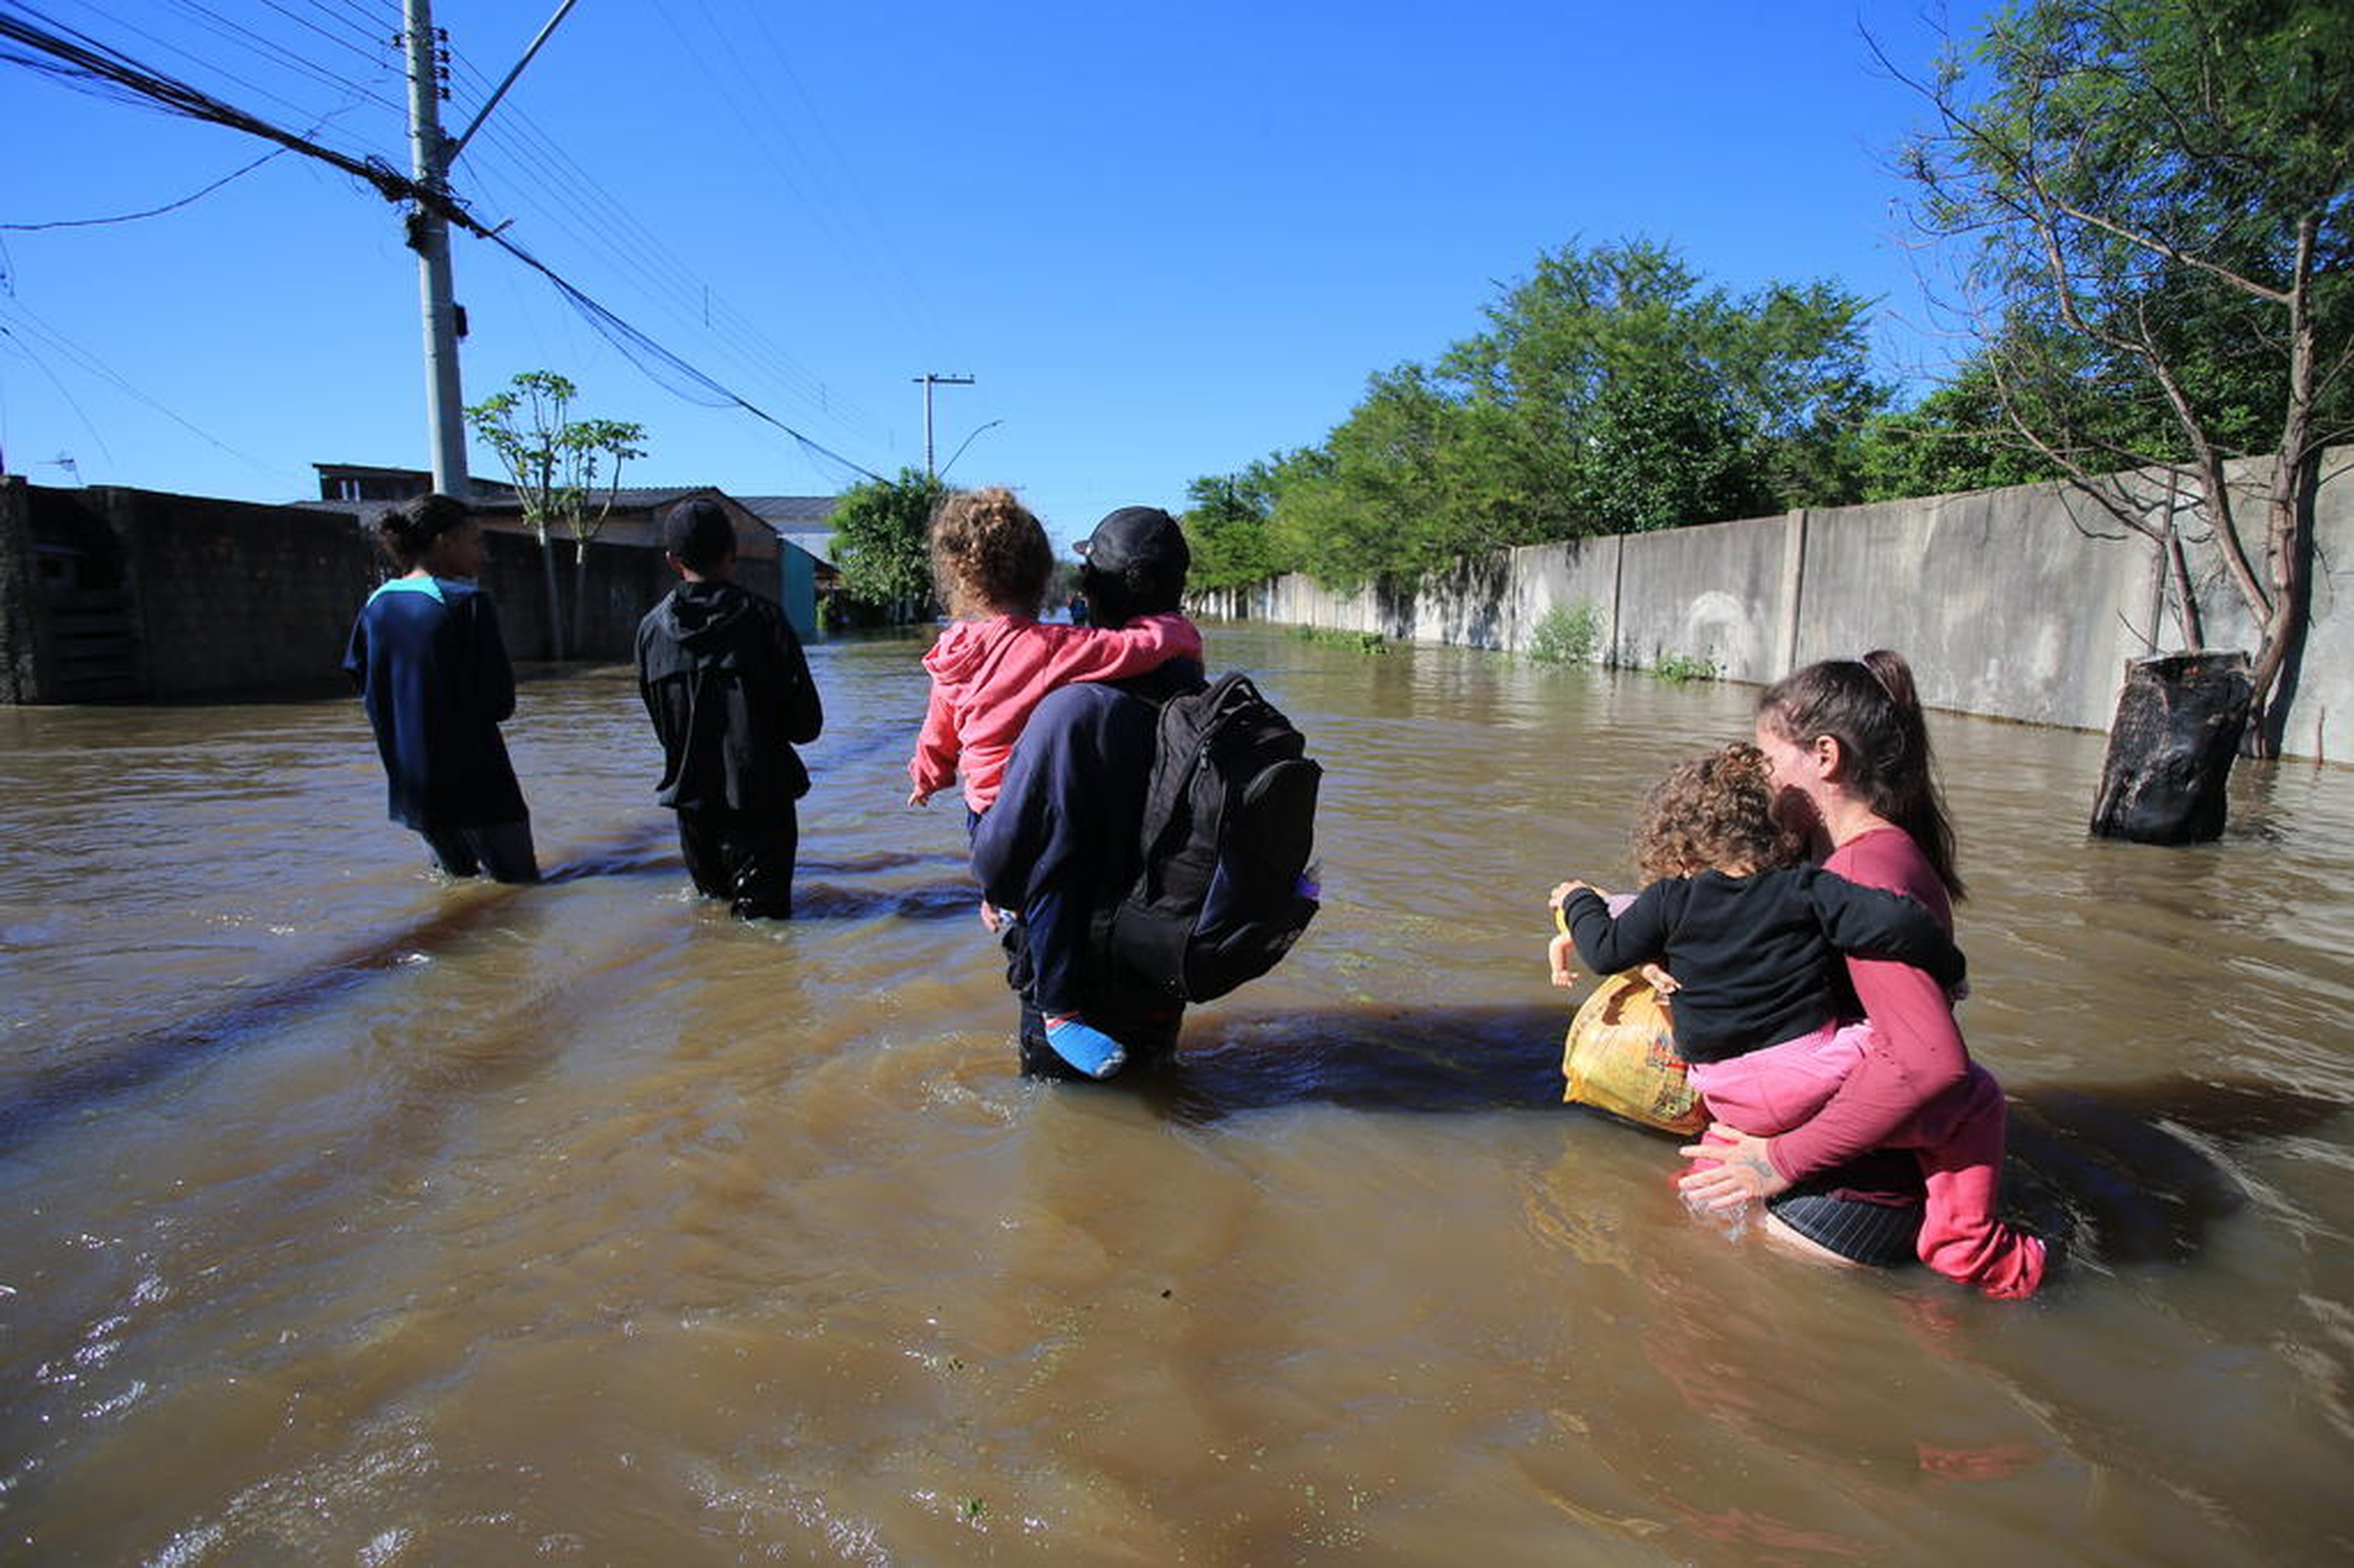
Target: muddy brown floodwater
point(359, 1218)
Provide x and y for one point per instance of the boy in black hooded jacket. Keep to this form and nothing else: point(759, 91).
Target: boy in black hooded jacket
point(728, 690)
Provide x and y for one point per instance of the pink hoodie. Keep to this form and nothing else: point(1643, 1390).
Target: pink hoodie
point(987, 676)
point(1915, 1087)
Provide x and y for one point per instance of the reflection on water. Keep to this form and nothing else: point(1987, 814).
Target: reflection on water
point(361, 1216)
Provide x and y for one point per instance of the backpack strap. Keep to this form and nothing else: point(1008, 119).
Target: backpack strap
point(1178, 748)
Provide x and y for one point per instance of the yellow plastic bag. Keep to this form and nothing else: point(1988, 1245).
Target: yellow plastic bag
point(1620, 1056)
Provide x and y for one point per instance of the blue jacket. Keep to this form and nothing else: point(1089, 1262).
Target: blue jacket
point(433, 675)
point(1072, 800)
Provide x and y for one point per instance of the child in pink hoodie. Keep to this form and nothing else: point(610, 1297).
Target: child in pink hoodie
point(997, 662)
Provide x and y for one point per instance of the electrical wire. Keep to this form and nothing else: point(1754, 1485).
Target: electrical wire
point(233, 32)
point(601, 223)
point(150, 212)
point(676, 295)
point(374, 51)
point(57, 342)
point(65, 53)
point(649, 355)
point(98, 67)
point(906, 291)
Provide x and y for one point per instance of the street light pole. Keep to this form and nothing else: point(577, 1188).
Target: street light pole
point(966, 442)
point(929, 380)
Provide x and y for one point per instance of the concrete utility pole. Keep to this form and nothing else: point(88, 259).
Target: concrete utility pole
point(929, 381)
point(431, 153)
point(429, 236)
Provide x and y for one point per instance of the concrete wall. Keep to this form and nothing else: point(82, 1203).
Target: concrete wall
point(23, 619)
point(2024, 603)
point(1715, 592)
point(625, 582)
point(110, 593)
point(237, 598)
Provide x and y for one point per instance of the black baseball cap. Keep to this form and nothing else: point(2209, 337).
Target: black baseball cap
point(1137, 539)
point(698, 532)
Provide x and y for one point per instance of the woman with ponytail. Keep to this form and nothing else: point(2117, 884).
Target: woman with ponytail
point(1850, 749)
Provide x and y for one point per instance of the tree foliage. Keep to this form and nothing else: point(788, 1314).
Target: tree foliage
point(1610, 389)
point(881, 543)
point(564, 470)
point(2151, 206)
point(1225, 523)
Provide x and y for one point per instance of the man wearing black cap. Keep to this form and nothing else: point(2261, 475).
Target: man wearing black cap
point(1060, 842)
point(728, 689)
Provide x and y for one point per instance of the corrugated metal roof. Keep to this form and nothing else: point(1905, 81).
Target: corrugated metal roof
point(791, 513)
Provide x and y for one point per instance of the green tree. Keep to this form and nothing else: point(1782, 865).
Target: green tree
point(1662, 449)
point(1951, 440)
point(603, 446)
point(1611, 390)
point(1225, 523)
point(2150, 204)
point(1784, 371)
point(566, 471)
point(881, 542)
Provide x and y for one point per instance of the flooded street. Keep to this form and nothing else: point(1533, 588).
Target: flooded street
point(356, 1217)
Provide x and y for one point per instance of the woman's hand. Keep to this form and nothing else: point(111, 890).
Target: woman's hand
point(1560, 891)
point(1741, 1175)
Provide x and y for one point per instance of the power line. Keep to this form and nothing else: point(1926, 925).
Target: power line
point(89, 61)
point(760, 133)
point(593, 217)
point(373, 51)
point(637, 344)
point(90, 363)
point(92, 62)
point(153, 211)
point(683, 296)
point(907, 291)
point(382, 22)
point(244, 37)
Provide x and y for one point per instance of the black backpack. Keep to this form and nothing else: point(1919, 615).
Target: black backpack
point(1229, 826)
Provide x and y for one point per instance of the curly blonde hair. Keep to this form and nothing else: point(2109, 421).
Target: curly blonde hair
point(1716, 812)
point(990, 556)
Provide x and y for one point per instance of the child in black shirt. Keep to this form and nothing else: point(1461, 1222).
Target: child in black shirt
point(728, 690)
point(1753, 939)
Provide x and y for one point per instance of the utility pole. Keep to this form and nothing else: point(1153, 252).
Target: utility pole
point(431, 153)
point(929, 380)
point(429, 236)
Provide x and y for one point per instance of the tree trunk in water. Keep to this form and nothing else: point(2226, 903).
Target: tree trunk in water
point(580, 598)
point(555, 605)
point(2178, 724)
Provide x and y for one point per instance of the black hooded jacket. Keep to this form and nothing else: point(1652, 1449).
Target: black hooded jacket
point(729, 691)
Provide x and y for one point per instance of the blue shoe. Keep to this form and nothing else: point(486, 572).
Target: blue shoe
point(1086, 1047)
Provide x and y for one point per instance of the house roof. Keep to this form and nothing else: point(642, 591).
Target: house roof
point(792, 514)
point(367, 512)
point(478, 486)
point(795, 520)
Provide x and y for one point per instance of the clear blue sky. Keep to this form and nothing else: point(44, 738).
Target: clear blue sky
point(1164, 239)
